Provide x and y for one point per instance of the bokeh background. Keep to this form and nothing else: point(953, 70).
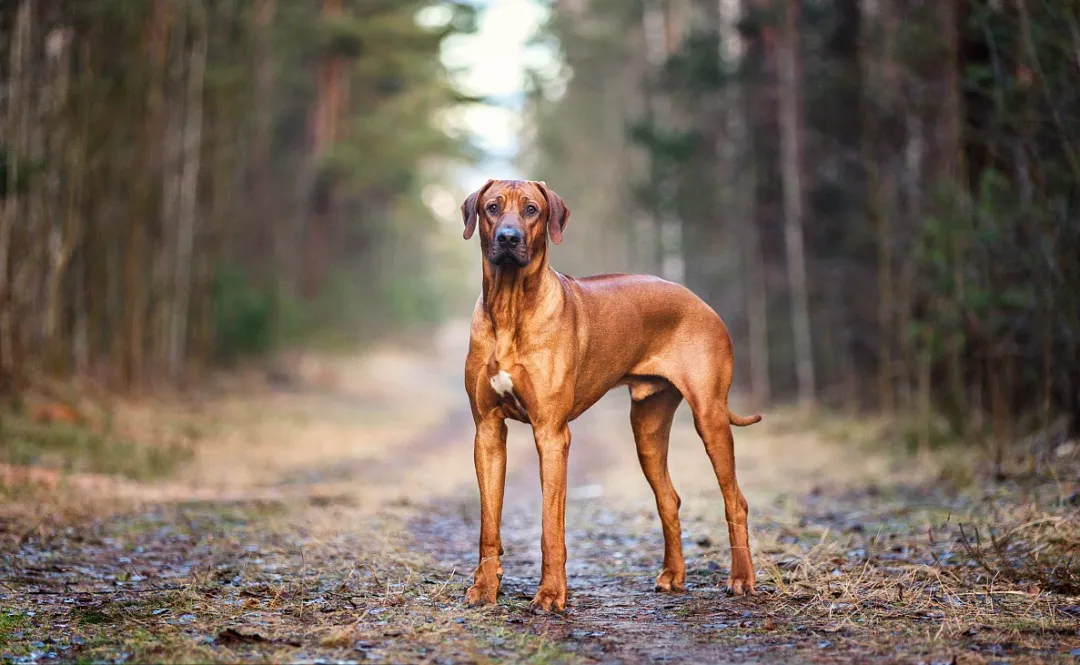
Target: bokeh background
point(879, 197)
point(234, 301)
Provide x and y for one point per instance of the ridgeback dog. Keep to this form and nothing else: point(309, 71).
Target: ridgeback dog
point(545, 347)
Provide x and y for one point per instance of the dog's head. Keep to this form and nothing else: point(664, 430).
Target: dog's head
point(515, 218)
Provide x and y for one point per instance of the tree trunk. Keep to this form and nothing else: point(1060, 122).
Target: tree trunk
point(262, 225)
point(912, 184)
point(872, 87)
point(53, 91)
point(189, 194)
point(741, 175)
point(662, 28)
point(324, 204)
point(18, 95)
point(757, 305)
point(225, 163)
point(172, 168)
point(953, 170)
point(65, 164)
point(791, 122)
point(132, 343)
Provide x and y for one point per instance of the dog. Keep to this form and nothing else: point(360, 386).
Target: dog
point(544, 347)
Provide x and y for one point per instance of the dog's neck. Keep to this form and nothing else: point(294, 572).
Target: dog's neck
point(511, 296)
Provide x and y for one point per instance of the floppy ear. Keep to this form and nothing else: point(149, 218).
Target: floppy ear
point(468, 209)
point(558, 213)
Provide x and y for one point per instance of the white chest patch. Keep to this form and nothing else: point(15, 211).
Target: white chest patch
point(502, 384)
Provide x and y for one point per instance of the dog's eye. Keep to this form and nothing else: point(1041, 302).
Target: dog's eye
point(531, 210)
point(492, 208)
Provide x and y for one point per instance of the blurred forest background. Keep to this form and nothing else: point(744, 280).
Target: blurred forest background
point(233, 318)
point(879, 196)
point(189, 181)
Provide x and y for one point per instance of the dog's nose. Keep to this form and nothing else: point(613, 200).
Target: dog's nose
point(508, 237)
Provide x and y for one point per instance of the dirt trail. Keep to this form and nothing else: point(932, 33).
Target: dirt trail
point(340, 526)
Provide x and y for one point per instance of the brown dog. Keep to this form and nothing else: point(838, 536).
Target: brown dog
point(545, 347)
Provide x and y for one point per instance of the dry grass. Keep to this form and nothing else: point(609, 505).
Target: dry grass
point(964, 565)
point(1043, 552)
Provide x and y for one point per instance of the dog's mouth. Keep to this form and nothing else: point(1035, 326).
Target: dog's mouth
point(509, 257)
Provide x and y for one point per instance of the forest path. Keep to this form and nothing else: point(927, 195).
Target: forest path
point(336, 521)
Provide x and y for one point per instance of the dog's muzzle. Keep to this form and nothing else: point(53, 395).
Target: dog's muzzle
point(509, 247)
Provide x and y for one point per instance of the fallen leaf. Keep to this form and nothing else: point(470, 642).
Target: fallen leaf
point(56, 413)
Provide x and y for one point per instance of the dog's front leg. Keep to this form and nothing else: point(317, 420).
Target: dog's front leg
point(553, 445)
point(489, 456)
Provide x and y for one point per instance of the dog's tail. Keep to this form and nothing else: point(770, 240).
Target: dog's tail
point(742, 421)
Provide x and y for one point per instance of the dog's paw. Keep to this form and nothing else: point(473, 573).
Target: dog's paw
point(669, 580)
point(740, 586)
point(482, 594)
point(549, 600)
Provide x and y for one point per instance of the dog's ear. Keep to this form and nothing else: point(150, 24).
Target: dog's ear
point(468, 209)
point(558, 213)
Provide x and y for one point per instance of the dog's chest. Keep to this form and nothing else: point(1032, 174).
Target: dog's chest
point(503, 385)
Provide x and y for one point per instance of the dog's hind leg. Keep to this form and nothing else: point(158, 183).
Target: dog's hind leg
point(707, 394)
point(715, 431)
point(651, 419)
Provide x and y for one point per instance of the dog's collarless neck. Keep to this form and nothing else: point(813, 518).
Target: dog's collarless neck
point(512, 298)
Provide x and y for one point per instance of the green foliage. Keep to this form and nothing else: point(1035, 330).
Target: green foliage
point(669, 147)
point(916, 436)
point(941, 206)
point(413, 299)
point(336, 318)
point(201, 180)
point(243, 314)
point(74, 448)
point(396, 90)
point(695, 69)
point(340, 36)
point(350, 309)
point(24, 169)
point(991, 266)
point(921, 43)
